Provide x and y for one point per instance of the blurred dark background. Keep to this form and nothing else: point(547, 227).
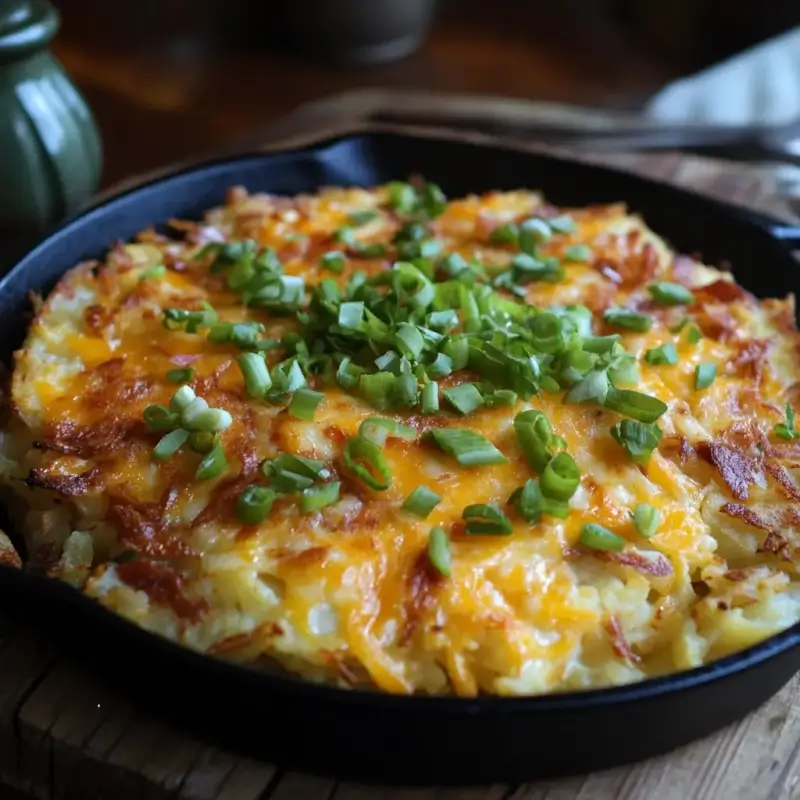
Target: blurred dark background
point(171, 78)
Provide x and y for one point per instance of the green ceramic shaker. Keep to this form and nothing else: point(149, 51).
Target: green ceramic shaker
point(50, 154)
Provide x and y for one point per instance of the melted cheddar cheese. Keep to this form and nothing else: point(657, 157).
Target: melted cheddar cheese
point(347, 594)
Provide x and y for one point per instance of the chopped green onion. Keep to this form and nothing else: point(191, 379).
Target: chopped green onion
point(670, 294)
point(213, 465)
point(507, 233)
point(599, 538)
point(334, 260)
point(158, 271)
point(254, 504)
point(786, 429)
point(317, 497)
point(693, 334)
point(646, 519)
point(531, 233)
point(351, 315)
point(304, 403)
point(362, 217)
point(180, 375)
point(578, 252)
point(421, 502)
point(561, 477)
point(528, 501)
point(439, 552)
point(199, 417)
point(469, 448)
point(704, 375)
point(464, 398)
point(379, 429)
point(288, 462)
point(409, 340)
point(160, 418)
point(630, 320)
point(665, 354)
point(535, 437)
point(257, 380)
point(169, 444)
point(486, 519)
point(182, 399)
point(635, 405)
point(365, 459)
point(402, 196)
point(637, 439)
point(593, 386)
point(562, 224)
point(201, 441)
point(430, 398)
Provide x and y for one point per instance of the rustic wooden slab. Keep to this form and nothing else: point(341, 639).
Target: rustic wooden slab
point(63, 736)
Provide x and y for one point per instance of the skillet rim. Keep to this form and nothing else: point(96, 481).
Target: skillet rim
point(779, 231)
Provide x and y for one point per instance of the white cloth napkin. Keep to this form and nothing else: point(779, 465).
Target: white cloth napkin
point(760, 86)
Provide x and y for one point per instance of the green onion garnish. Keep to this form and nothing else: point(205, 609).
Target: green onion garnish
point(637, 439)
point(421, 502)
point(670, 294)
point(202, 442)
point(254, 504)
point(213, 465)
point(533, 232)
point(334, 260)
point(199, 417)
point(693, 334)
point(659, 356)
point(486, 519)
point(169, 444)
point(562, 224)
point(378, 430)
point(362, 217)
point(160, 418)
point(439, 552)
point(599, 538)
point(578, 252)
point(704, 375)
point(180, 375)
point(464, 398)
point(635, 405)
point(304, 403)
point(158, 271)
point(561, 477)
point(786, 429)
point(182, 399)
point(507, 233)
point(430, 398)
point(317, 497)
point(402, 196)
point(535, 437)
point(630, 320)
point(646, 519)
point(528, 501)
point(257, 380)
point(470, 449)
point(365, 459)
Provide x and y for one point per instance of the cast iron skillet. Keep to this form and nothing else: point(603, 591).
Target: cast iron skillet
point(372, 736)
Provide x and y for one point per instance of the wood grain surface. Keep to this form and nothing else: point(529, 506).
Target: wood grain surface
point(64, 735)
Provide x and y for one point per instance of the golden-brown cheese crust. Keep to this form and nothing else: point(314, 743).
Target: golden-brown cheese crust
point(347, 594)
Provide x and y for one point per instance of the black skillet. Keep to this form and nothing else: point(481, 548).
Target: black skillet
point(372, 736)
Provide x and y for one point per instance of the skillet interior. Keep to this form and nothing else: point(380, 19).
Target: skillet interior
point(372, 736)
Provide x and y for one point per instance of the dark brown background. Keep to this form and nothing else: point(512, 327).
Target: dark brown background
point(170, 78)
